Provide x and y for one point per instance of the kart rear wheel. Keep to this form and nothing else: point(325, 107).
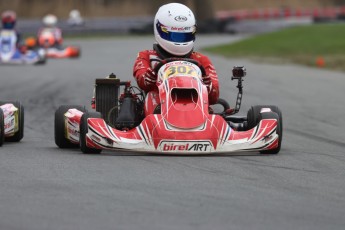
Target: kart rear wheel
point(83, 131)
point(254, 116)
point(41, 62)
point(2, 133)
point(42, 56)
point(20, 133)
point(60, 128)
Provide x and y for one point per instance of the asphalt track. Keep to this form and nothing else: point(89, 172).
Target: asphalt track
point(303, 187)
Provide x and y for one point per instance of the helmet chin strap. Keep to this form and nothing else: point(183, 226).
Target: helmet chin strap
point(164, 54)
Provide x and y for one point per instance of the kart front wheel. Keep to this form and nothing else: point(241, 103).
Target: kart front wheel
point(84, 130)
point(20, 133)
point(60, 127)
point(2, 124)
point(279, 131)
point(254, 116)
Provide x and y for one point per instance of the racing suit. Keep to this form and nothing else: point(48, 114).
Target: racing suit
point(17, 37)
point(145, 63)
point(50, 36)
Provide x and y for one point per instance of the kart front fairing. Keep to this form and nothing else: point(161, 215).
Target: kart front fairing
point(184, 102)
point(156, 135)
point(184, 124)
point(57, 52)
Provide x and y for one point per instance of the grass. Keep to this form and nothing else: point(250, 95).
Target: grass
point(302, 45)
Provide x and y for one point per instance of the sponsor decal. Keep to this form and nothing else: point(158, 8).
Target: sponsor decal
point(185, 146)
point(9, 124)
point(187, 28)
point(95, 138)
point(181, 18)
point(73, 132)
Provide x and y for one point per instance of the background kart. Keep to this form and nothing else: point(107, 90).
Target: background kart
point(9, 53)
point(11, 121)
point(47, 41)
point(181, 124)
point(63, 52)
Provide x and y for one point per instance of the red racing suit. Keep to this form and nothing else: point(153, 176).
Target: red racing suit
point(145, 61)
point(50, 37)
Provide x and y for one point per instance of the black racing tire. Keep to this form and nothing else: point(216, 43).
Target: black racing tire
point(83, 131)
point(42, 60)
point(20, 133)
point(2, 131)
point(254, 117)
point(279, 131)
point(253, 113)
point(59, 126)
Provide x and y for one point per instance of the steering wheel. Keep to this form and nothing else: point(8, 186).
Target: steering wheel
point(167, 60)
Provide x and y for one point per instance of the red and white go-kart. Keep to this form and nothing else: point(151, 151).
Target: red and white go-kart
point(181, 124)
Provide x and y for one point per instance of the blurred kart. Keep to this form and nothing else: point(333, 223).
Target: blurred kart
point(182, 124)
point(10, 54)
point(46, 41)
point(11, 121)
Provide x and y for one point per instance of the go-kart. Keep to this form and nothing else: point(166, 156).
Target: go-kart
point(10, 54)
point(11, 121)
point(46, 40)
point(181, 124)
point(62, 52)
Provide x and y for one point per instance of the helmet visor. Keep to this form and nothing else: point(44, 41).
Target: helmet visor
point(8, 25)
point(178, 37)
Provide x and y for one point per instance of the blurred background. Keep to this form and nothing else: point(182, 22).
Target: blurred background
point(122, 16)
point(298, 48)
point(113, 8)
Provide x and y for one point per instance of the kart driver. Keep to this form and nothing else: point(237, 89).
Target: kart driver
point(174, 30)
point(50, 35)
point(9, 19)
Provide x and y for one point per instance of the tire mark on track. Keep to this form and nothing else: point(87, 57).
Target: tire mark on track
point(315, 137)
point(244, 162)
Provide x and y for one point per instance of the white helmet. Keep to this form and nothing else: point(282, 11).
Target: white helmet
point(50, 20)
point(174, 28)
point(74, 14)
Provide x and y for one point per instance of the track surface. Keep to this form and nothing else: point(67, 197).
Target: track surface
point(303, 187)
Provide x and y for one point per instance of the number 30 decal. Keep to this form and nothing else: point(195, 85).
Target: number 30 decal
point(181, 70)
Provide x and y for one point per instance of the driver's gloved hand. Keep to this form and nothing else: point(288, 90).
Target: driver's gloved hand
point(206, 80)
point(150, 77)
